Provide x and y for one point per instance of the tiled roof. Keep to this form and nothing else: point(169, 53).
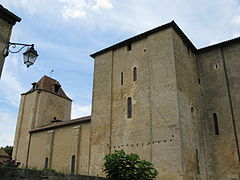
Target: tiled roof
point(62, 124)
point(172, 24)
point(8, 16)
point(3, 153)
point(48, 84)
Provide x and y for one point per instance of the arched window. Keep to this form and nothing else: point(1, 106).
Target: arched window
point(46, 163)
point(134, 74)
point(73, 164)
point(215, 121)
point(129, 107)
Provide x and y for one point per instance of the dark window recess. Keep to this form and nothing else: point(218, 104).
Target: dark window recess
point(56, 88)
point(134, 74)
point(192, 109)
point(215, 66)
point(188, 50)
point(73, 164)
point(197, 163)
point(129, 47)
point(34, 85)
point(199, 81)
point(46, 163)
point(122, 78)
point(129, 107)
point(215, 121)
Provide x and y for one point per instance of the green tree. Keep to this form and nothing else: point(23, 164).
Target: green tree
point(122, 166)
point(8, 149)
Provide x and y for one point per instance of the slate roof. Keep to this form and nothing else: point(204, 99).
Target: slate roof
point(8, 16)
point(221, 44)
point(172, 24)
point(47, 84)
point(85, 119)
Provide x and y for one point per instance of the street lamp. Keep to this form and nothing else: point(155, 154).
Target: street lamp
point(29, 57)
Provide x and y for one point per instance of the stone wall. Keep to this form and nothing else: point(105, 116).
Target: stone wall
point(189, 110)
point(220, 83)
point(7, 21)
point(5, 33)
point(153, 130)
point(37, 108)
point(23, 174)
point(59, 145)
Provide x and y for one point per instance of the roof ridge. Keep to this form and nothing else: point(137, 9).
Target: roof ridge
point(223, 43)
point(48, 84)
point(147, 33)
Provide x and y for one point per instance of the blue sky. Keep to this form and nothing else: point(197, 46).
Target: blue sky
point(65, 32)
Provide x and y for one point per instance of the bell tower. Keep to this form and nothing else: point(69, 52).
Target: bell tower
point(44, 102)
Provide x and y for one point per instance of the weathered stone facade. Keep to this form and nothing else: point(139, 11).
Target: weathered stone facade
point(7, 21)
point(155, 95)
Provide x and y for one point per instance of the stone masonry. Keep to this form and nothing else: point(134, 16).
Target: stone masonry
point(154, 94)
point(7, 21)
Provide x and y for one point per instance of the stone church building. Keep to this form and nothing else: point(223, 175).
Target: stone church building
point(154, 94)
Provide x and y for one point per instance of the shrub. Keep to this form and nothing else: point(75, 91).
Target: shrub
point(10, 163)
point(122, 166)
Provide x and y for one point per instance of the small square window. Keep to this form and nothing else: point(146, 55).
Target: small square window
point(129, 46)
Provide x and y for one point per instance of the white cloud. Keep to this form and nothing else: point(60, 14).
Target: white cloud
point(70, 12)
point(10, 85)
point(73, 8)
point(236, 20)
point(102, 4)
point(78, 9)
point(7, 128)
point(80, 111)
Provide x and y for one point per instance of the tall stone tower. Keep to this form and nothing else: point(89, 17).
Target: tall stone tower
point(145, 101)
point(44, 102)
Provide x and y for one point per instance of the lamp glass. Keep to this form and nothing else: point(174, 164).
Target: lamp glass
point(30, 56)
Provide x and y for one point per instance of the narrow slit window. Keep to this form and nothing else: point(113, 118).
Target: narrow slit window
point(215, 121)
point(134, 74)
point(73, 164)
point(197, 162)
point(129, 107)
point(188, 50)
point(215, 66)
point(46, 163)
point(122, 78)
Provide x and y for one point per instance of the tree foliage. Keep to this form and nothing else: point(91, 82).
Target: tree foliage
point(122, 166)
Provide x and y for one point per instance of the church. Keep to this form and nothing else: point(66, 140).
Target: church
point(155, 95)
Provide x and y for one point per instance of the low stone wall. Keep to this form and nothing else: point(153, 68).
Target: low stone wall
point(28, 174)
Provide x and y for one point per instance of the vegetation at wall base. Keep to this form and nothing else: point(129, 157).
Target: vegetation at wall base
point(122, 166)
point(10, 163)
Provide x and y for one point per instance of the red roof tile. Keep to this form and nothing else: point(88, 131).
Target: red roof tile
point(48, 84)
